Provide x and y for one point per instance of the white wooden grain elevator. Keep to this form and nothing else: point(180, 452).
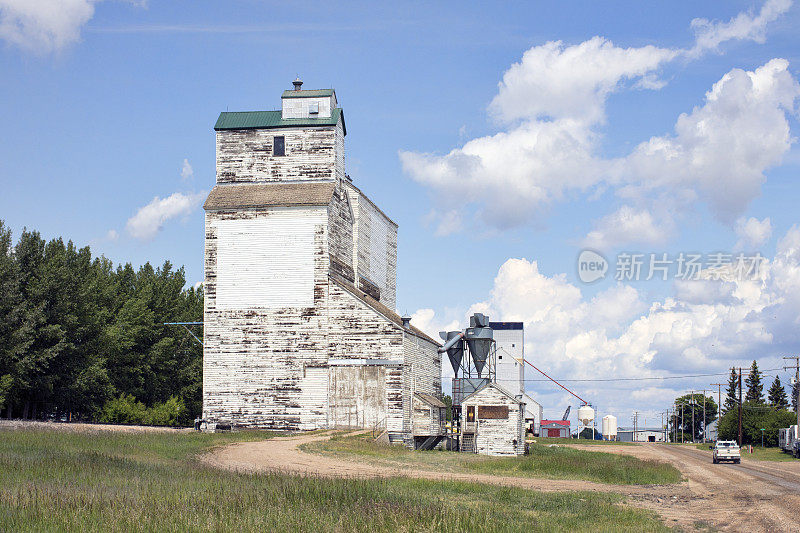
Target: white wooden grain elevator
point(300, 268)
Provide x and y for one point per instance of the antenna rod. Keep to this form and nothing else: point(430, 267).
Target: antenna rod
point(557, 383)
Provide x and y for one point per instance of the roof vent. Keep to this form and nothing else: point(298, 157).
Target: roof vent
point(406, 321)
point(297, 83)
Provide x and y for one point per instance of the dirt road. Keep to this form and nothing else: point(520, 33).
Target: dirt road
point(754, 496)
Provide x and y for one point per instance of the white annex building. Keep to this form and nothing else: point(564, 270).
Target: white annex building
point(300, 331)
point(510, 367)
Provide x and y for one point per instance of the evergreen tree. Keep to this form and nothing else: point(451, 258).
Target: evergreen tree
point(777, 395)
point(732, 394)
point(755, 389)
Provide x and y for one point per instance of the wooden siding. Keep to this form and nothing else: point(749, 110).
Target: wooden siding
point(426, 419)
point(498, 436)
point(276, 318)
point(340, 229)
point(374, 247)
point(267, 261)
point(254, 359)
point(245, 156)
point(298, 107)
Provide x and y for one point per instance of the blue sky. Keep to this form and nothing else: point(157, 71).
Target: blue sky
point(110, 105)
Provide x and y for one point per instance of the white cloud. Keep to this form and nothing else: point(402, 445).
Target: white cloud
point(552, 103)
point(707, 326)
point(720, 151)
point(149, 220)
point(744, 26)
point(112, 235)
point(627, 225)
point(571, 82)
point(44, 25)
point(187, 172)
point(752, 233)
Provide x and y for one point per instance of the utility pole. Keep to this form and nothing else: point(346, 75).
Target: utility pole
point(719, 404)
point(797, 380)
point(692, 402)
point(719, 399)
point(740, 407)
point(704, 413)
point(635, 418)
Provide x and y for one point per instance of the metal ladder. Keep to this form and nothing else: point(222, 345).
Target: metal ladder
point(468, 443)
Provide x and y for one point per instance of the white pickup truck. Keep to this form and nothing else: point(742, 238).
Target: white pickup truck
point(726, 450)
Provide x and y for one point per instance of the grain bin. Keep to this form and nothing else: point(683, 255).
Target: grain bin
point(585, 415)
point(610, 427)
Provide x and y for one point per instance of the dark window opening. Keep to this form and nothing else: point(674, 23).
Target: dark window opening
point(279, 145)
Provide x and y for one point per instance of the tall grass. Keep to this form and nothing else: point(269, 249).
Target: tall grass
point(58, 481)
point(569, 463)
point(557, 462)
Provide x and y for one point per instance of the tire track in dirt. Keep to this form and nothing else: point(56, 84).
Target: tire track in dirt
point(748, 498)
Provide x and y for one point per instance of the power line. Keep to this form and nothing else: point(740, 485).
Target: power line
point(646, 378)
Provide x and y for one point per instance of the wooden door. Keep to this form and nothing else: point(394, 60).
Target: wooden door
point(553, 432)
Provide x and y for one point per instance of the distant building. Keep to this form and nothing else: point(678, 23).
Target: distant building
point(554, 428)
point(641, 435)
point(493, 422)
point(510, 367)
point(300, 268)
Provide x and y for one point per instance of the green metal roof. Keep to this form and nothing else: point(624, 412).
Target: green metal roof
point(313, 93)
point(248, 120)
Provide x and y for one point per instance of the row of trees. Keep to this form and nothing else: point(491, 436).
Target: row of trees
point(694, 412)
point(760, 415)
point(76, 333)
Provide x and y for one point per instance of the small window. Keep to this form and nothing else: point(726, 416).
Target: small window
point(499, 356)
point(279, 145)
point(512, 345)
point(313, 108)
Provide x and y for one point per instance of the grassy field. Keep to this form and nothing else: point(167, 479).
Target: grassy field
point(553, 440)
point(555, 463)
point(61, 481)
point(759, 453)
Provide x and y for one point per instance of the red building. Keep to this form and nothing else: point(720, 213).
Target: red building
point(554, 428)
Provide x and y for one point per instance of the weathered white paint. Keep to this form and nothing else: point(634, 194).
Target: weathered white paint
point(267, 262)
point(290, 342)
point(374, 246)
point(245, 156)
point(497, 436)
point(299, 107)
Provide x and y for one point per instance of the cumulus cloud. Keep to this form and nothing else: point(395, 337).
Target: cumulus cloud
point(720, 151)
point(705, 326)
point(187, 172)
point(752, 233)
point(150, 219)
point(46, 26)
point(745, 26)
point(571, 81)
point(627, 225)
point(551, 105)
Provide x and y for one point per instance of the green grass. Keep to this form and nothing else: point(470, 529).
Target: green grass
point(553, 440)
point(760, 454)
point(543, 461)
point(61, 481)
